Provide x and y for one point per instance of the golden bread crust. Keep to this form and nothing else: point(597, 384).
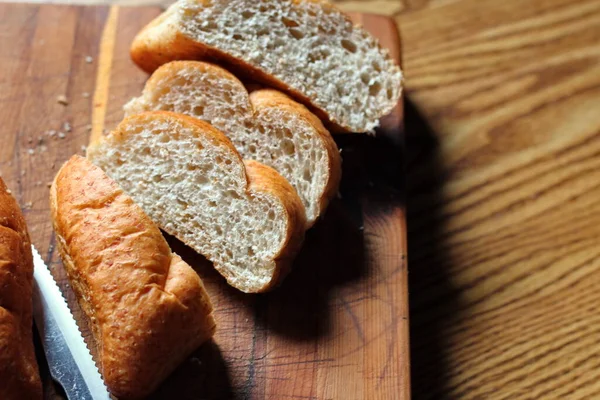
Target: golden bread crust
point(265, 179)
point(148, 308)
point(19, 376)
point(258, 178)
point(267, 98)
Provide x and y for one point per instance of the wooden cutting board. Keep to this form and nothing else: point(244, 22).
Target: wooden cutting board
point(338, 326)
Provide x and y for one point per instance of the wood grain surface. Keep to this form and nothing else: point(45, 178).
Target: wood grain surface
point(503, 130)
point(336, 329)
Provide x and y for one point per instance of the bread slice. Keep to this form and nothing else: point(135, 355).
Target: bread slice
point(19, 377)
point(307, 48)
point(148, 309)
point(244, 217)
point(266, 126)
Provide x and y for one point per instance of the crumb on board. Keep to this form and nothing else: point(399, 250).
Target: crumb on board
point(86, 95)
point(8, 191)
point(62, 99)
point(67, 127)
point(61, 135)
point(88, 127)
point(196, 361)
point(28, 205)
point(30, 151)
point(89, 59)
point(49, 184)
point(83, 149)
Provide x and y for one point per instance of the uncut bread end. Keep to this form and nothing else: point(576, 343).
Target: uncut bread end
point(148, 309)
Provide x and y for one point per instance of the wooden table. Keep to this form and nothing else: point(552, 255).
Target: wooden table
point(503, 118)
point(503, 124)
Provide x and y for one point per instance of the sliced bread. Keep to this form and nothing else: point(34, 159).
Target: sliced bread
point(307, 48)
point(244, 217)
point(266, 126)
point(19, 376)
point(148, 309)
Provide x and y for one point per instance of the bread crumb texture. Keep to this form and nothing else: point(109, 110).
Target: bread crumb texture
point(190, 179)
point(266, 126)
point(309, 47)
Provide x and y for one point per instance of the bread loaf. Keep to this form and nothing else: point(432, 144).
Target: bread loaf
point(19, 377)
point(307, 48)
point(266, 126)
point(244, 217)
point(148, 309)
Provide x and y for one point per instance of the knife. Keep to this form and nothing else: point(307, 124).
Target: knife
point(69, 359)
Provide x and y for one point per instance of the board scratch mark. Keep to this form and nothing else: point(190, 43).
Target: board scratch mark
point(248, 386)
point(390, 351)
point(19, 194)
point(51, 247)
point(354, 318)
point(105, 59)
point(315, 361)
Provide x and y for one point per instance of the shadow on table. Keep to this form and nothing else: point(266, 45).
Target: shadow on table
point(203, 375)
point(334, 254)
point(433, 300)
point(331, 256)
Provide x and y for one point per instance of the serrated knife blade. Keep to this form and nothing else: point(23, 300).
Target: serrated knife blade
point(69, 359)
